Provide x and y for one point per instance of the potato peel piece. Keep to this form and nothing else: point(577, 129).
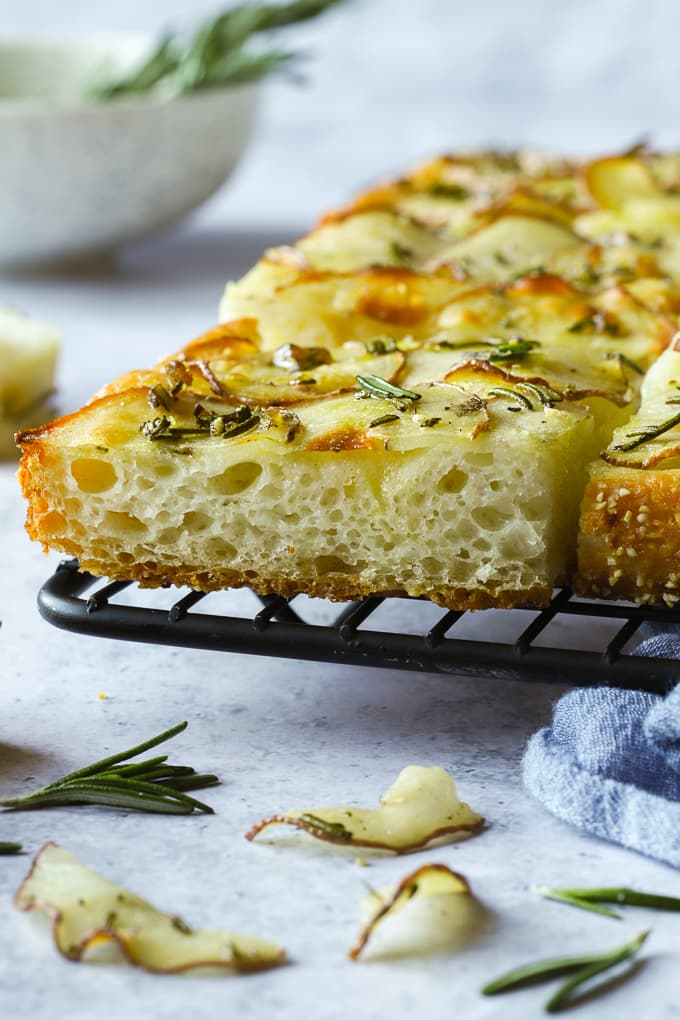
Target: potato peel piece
point(88, 910)
point(428, 880)
point(421, 805)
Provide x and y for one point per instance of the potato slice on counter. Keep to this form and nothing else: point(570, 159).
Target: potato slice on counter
point(88, 912)
point(430, 880)
point(420, 806)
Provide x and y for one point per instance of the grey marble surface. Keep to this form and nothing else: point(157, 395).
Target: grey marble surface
point(284, 734)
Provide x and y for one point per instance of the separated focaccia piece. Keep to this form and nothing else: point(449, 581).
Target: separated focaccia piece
point(630, 532)
point(28, 355)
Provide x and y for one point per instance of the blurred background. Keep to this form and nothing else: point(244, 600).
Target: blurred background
point(390, 82)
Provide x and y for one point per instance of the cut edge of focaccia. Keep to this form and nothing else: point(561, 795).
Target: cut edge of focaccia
point(478, 512)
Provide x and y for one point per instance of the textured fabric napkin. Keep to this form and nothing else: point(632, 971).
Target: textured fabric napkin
point(610, 762)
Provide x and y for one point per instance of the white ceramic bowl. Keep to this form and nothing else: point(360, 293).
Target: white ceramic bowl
point(79, 178)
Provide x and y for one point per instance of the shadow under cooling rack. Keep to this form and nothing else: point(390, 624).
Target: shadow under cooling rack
point(344, 633)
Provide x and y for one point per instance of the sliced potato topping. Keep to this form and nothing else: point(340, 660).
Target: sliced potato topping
point(420, 806)
point(653, 434)
point(88, 912)
point(429, 880)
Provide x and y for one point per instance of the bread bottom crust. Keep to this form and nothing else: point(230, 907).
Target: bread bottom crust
point(334, 588)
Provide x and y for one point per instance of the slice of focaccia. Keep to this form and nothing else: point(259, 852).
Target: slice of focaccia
point(405, 401)
point(630, 538)
point(28, 354)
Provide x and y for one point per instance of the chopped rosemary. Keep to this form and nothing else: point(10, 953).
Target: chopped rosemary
point(452, 191)
point(505, 391)
point(545, 394)
point(596, 322)
point(300, 359)
point(151, 785)
point(401, 252)
point(10, 848)
point(159, 396)
point(381, 345)
point(336, 830)
point(535, 270)
point(227, 425)
point(429, 423)
point(513, 349)
point(623, 359)
point(646, 434)
point(375, 386)
point(590, 899)
point(582, 969)
point(385, 419)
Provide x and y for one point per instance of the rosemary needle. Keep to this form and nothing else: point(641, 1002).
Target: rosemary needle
point(583, 967)
point(590, 899)
point(10, 848)
point(151, 785)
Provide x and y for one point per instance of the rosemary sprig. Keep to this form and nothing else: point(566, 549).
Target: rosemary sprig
point(582, 969)
point(638, 437)
point(10, 848)
point(151, 785)
point(376, 386)
point(590, 899)
point(217, 53)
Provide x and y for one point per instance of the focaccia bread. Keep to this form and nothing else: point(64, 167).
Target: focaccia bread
point(405, 401)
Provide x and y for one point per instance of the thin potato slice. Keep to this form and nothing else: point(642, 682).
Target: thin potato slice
point(617, 180)
point(420, 806)
point(88, 911)
point(428, 880)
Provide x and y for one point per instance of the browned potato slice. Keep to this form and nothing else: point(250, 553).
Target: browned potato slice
point(421, 805)
point(88, 911)
point(429, 880)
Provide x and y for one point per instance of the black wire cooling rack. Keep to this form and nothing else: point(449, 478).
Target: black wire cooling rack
point(77, 601)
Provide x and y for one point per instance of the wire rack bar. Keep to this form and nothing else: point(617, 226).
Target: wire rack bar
point(277, 630)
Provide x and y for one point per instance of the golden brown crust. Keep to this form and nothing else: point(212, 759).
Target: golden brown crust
point(338, 588)
point(630, 540)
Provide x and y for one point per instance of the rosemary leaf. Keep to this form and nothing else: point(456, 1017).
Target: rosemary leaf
point(336, 830)
point(624, 896)
point(512, 350)
point(10, 848)
point(376, 386)
point(647, 434)
point(151, 785)
point(598, 965)
point(571, 897)
point(585, 967)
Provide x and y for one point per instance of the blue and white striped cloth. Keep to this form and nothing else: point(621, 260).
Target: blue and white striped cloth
point(610, 762)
